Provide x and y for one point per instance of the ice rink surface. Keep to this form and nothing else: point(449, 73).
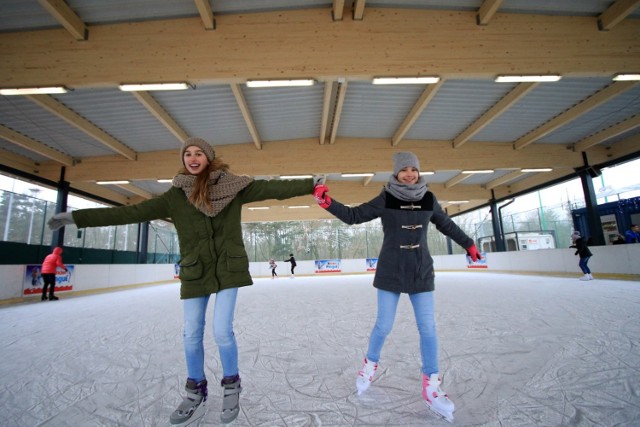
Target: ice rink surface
point(515, 351)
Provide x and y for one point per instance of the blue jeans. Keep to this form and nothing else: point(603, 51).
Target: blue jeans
point(423, 308)
point(193, 333)
point(583, 265)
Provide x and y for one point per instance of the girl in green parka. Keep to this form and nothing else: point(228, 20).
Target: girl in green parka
point(205, 203)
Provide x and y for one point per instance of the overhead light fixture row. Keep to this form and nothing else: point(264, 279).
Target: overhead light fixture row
point(427, 173)
point(296, 176)
point(138, 87)
point(357, 175)
point(259, 208)
point(457, 202)
point(626, 77)
point(426, 80)
point(477, 171)
point(33, 90)
point(528, 78)
point(164, 181)
point(298, 207)
point(526, 170)
point(113, 182)
point(280, 83)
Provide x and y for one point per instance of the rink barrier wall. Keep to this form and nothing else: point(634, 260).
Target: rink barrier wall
point(611, 262)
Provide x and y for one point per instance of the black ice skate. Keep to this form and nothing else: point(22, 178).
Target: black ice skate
point(230, 399)
point(192, 407)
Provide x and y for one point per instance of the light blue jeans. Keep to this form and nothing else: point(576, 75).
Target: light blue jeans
point(193, 333)
point(423, 308)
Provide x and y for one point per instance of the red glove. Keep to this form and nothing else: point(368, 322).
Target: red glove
point(321, 194)
point(472, 251)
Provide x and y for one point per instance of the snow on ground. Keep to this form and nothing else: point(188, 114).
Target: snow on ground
point(515, 351)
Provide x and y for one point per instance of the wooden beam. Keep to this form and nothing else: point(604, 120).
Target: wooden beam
point(456, 180)
point(135, 190)
point(598, 98)
point(337, 113)
point(206, 14)
point(494, 112)
point(34, 146)
point(159, 113)
point(401, 42)
point(74, 119)
point(503, 180)
point(67, 17)
point(605, 134)
point(337, 11)
point(358, 10)
point(615, 13)
point(487, 10)
point(424, 99)
point(326, 108)
point(246, 113)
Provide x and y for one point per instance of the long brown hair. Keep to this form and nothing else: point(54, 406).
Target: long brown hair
point(200, 195)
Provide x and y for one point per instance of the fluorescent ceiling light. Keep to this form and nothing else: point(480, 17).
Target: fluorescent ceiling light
point(528, 78)
point(298, 207)
point(153, 86)
point(296, 176)
point(164, 181)
point(536, 170)
point(280, 83)
point(357, 175)
point(113, 182)
point(405, 80)
point(478, 171)
point(33, 90)
point(626, 77)
point(259, 208)
point(457, 202)
point(427, 173)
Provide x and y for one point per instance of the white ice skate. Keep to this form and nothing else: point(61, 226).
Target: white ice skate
point(365, 375)
point(435, 398)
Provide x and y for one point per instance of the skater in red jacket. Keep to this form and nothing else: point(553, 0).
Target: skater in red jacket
point(50, 266)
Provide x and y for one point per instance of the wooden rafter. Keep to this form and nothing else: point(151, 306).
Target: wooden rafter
point(616, 13)
point(358, 10)
point(487, 10)
point(34, 146)
point(135, 190)
point(615, 130)
point(67, 17)
point(326, 109)
point(337, 11)
point(503, 180)
point(422, 102)
point(494, 112)
point(246, 113)
point(206, 14)
point(160, 113)
point(337, 113)
point(598, 98)
point(65, 113)
point(456, 180)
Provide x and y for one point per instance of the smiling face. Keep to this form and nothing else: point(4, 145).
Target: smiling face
point(194, 159)
point(408, 175)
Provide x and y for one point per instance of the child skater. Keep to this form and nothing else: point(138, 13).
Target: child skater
point(205, 202)
point(405, 207)
point(272, 266)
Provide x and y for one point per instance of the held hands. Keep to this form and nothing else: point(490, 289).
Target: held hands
point(59, 220)
point(321, 194)
point(472, 251)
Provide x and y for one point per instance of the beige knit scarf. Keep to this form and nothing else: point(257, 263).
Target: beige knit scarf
point(222, 188)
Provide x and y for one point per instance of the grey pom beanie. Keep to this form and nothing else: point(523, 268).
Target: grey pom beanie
point(206, 148)
point(404, 159)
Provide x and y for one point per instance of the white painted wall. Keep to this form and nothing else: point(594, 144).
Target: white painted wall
point(620, 261)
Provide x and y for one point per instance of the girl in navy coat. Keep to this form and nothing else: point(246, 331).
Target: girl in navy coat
point(405, 207)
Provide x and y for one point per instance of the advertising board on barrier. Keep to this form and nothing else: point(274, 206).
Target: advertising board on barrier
point(32, 281)
point(481, 263)
point(372, 264)
point(328, 266)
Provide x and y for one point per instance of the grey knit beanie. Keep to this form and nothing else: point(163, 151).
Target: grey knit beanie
point(206, 148)
point(404, 159)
